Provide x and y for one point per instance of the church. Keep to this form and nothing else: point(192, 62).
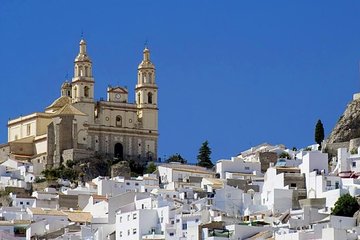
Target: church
point(76, 126)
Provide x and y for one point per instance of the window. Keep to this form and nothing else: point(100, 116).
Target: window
point(128, 183)
point(138, 98)
point(120, 233)
point(354, 164)
point(128, 232)
point(171, 234)
point(336, 184)
point(136, 184)
point(27, 203)
point(150, 97)
point(118, 121)
point(134, 216)
point(120, 219)
point(134, 231)
point(28, 129)
point(86, 91)
point(247, 168)
point(184, 226)
point(293, 185)
point(21, 203)
point(128, 217)
point(328, 183)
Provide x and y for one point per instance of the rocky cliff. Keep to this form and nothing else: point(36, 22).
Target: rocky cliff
point(348, 125)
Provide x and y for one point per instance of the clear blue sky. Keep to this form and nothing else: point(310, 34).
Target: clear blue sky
point(237, 73)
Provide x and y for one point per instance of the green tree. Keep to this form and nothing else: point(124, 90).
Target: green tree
point(151, 168)
point(204, 159)
point(345, 206)
point(176, 158)
point(319, 133)
point(285, 155)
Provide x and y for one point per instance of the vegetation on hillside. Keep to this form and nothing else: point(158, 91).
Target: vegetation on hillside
point(346, 206)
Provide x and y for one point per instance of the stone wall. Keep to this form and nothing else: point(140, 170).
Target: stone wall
point(265, 158)
point(354, 143)
point(68, 201)
point(4, 152)
point(331, 148)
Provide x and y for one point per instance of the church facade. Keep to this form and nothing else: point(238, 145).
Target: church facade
point(76, 126)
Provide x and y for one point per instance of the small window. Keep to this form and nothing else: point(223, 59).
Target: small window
point(247, 168)
point(21, 203)
point(293, 185)
point(120, 233)
point(134, 216)
point(134, 231)
point(28, 129)
point(128, 183)
point(86, 91)
point(128, 232)
point(354, 164)
point(150, 99)
point(184, 226)
point(27, 203)
point(120, 219)
point(128, 217)
point(118, 121)
point(136, 184)
point(171, 234)
point(328, 183)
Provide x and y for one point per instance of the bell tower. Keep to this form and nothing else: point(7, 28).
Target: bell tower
point(146, 94)
point(146, 88)
point(83, 81)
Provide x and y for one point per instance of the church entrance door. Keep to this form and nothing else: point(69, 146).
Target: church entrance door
point(119, 151)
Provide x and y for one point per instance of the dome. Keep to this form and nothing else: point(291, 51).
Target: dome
point(66, 85)
point(58, 103)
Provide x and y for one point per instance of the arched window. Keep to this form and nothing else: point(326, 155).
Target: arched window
point(75, 92)
point(118, 121)
point(81, 71)
point(139, 97)
point(86, 91)
point(68, 93)
point(150, 97)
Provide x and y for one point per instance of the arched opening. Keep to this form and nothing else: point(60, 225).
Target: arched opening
point(118, 151)
point(118, 121)
point(86, 91)
point(81, 71)
point(150, 97)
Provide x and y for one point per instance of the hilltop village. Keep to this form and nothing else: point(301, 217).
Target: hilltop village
point(265, 192)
